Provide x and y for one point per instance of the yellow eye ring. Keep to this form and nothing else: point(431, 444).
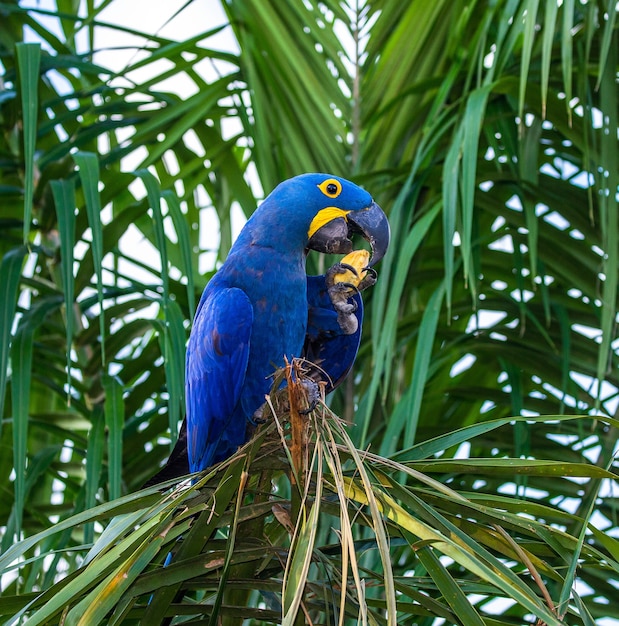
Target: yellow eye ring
point(331, 188)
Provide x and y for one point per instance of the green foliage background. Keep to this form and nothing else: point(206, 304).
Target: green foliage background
point(488, 132)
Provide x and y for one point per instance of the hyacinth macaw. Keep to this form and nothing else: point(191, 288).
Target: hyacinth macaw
point(261, 307)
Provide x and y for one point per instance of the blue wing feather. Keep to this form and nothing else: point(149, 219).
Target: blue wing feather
point(217, 357)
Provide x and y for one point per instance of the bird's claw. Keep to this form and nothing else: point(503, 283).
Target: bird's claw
point(344, 280)
point(340, 295)
point(345, 306)
point(257, 418)
point(337, 269)
point(369, 279)
point(353, 269)
point(312, 393)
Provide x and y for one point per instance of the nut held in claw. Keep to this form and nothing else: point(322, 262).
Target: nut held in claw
point(358, 259)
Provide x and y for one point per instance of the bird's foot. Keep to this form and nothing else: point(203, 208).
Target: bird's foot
point(352, 270)
point(258, 417)
point(340, 294)
point(345, 279)
point(312, 393)
point(369, 279)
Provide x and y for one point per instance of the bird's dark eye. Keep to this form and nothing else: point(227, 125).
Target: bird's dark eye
point(331, 187)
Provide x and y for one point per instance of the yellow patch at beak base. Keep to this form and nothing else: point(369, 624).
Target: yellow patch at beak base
point(324, 216)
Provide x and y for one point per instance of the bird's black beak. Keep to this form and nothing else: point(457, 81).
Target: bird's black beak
point(335, 236)
point(373, 226)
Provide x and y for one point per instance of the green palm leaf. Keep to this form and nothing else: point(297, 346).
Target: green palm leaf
point(478, 464)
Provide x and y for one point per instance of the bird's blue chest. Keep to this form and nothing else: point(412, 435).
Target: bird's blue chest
point(280, 320)
point(278, 293)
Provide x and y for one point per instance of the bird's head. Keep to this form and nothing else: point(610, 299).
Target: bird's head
point(322, 212)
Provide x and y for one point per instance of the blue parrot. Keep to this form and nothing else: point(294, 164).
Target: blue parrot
point(261, 307)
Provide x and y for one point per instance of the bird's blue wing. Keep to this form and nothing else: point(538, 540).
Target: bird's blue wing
point(326, 345)
point(217, 356)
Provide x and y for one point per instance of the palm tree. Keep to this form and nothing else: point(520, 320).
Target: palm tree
point(471, 479)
